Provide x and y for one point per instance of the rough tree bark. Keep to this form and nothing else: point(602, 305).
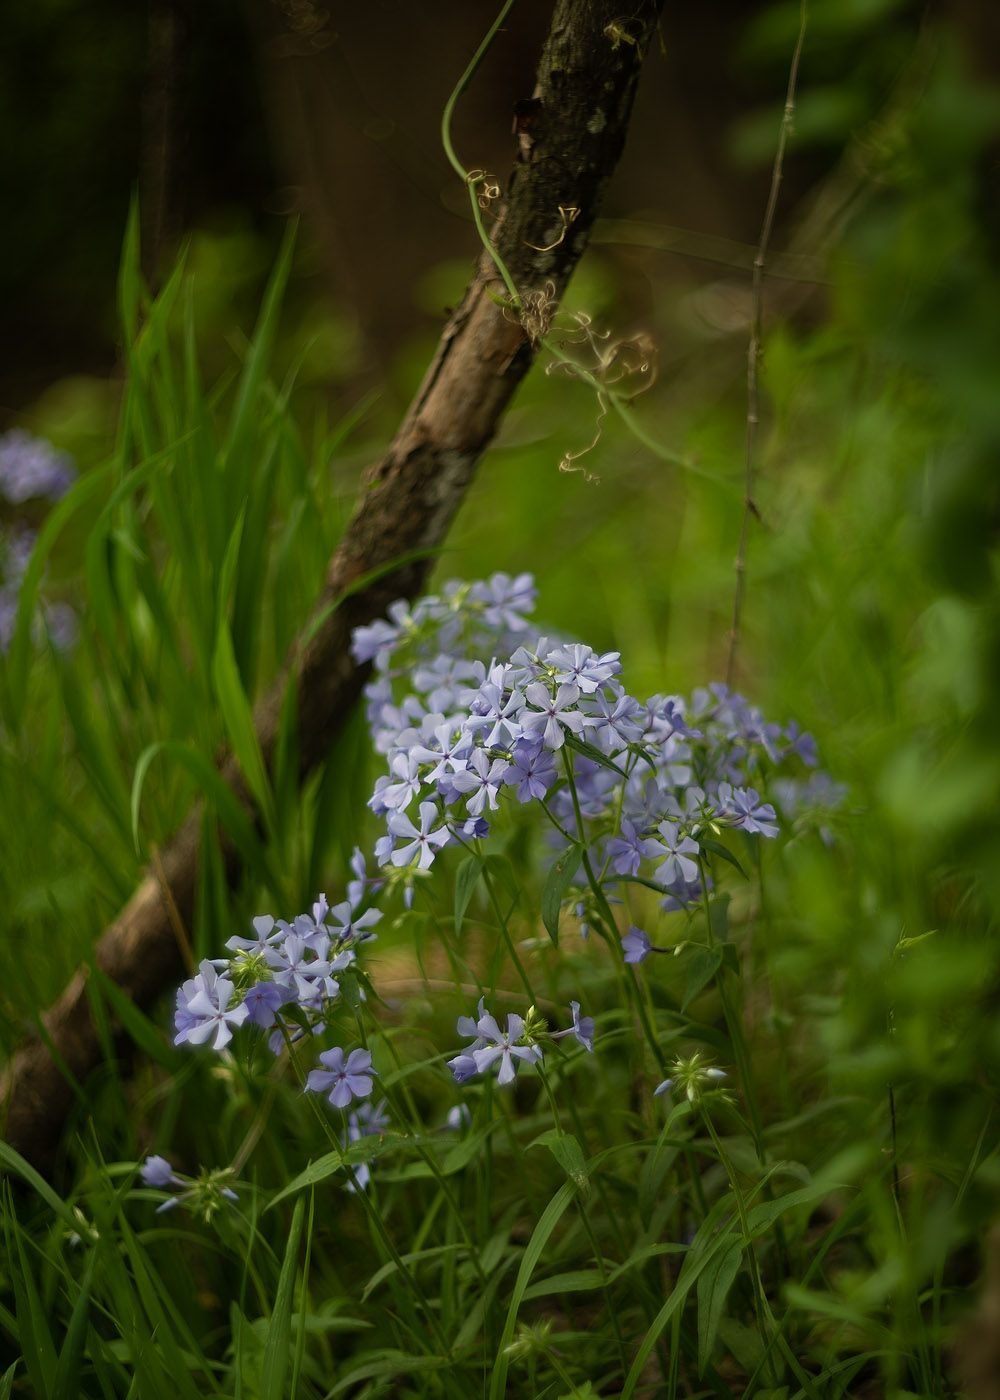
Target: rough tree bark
point(570, 137)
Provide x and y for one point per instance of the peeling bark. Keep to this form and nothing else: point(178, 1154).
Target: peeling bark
point(570, 136)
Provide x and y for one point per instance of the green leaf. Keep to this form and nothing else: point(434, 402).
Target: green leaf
point(762, 1217)
point(37, 1347)
point(702, 967)
point(279, 1331)
point(391, 1363)
point(14, 1163)
point(559, 879)
point(714, 1284)
point(321, 1170)
point(723, 852)
point(588, 750)
point(221, 797)
point(466, 878)
point(244, 425)
point(568, 1153)
point(576, 1281)
point(67, 1379)
point(238, 719)
point(535, 1248)
point(7, 1381)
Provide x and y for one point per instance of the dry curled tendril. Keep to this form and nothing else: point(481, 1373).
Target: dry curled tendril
point(567, 213)
point(622, 369)
point(624, 30)
point(489, 188)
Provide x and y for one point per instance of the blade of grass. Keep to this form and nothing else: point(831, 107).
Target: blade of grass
point(279, 1331)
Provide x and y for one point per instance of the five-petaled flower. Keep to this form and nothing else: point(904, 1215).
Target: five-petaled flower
point(346, 1080)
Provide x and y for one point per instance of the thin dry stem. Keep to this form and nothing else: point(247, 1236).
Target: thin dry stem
point(753, 350)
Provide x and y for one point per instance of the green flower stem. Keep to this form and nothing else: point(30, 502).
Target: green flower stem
point(430, 1161)
point(456, 164)
point(734, 1025)
point(764, 1317)
point(589, 1231)
point(375, 1220)
point(511, 946)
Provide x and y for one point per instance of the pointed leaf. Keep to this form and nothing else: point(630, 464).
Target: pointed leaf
point(714, 1284)
point(702, 967)
point(559, 879)
point(466, 879)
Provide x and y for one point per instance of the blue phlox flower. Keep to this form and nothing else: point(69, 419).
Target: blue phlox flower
point(474, 829)
point(469, 1027)
point(157, 1171)
point(268, 933)
point(549, 713)
point(627, 851)
point(345, 1079)
point(204, 1010)
point(375, 642)
point(367, 1120)
point(802, 744)
point(264, 1000)
point(506, 600)
point(636, 945)
point(424, 841)
point(453, 745)
point(683, 895)
point(482, 778)
point(615, 720)
point(459, 1117)
point(362, 882)
point(745, 809)
point(31, 468)
point(532, 770)
point(581, 666)
point(303, 967)
point(497, 708)
point(502, 1045)
point(679, 867)
point(756, 816)
point(463, 1067)
point(346, 927)
point(582, 1028)
point(397, 796)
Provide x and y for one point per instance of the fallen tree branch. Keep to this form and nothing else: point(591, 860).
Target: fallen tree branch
point(570, 136)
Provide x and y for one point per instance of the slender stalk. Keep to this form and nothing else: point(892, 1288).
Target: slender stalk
point(753, 350)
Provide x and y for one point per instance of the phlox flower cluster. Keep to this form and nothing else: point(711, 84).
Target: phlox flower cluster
point(639, 785)
point(519, 1043)
point(285, 980)
point(32, 473)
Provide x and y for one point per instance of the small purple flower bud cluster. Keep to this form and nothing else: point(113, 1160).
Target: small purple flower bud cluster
point(31, 469)
point(641, 786)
